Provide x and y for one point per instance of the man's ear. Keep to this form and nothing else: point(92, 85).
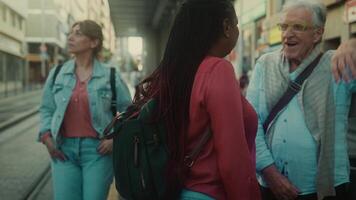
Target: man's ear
point(318, 34)
point(227, 27)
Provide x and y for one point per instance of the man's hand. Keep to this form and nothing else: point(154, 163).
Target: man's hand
point(344, 61)
point(53, 151)
point(105, 146)
point(281, 187)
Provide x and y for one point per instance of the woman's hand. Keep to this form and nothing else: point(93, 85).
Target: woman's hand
point(105, 146)
point(53, 151)
point(344, 61)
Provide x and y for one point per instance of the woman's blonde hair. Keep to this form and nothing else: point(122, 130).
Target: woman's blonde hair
point(92, 30)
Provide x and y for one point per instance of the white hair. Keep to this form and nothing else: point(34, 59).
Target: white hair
point(315, 7)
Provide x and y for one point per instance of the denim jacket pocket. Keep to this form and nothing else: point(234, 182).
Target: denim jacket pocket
point(57, 91)
point(104, 98)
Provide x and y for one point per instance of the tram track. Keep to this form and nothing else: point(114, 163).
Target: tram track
point(25, 163)
point(16, 109)
point(39, 183)
point(17, 119)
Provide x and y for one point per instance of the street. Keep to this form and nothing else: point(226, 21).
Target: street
point(23, 161)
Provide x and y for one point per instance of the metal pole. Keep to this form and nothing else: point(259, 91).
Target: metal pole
point(43, 62)
point(5, 73)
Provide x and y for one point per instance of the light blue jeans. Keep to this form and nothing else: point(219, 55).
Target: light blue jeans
point(191, 195)
point(86, 175)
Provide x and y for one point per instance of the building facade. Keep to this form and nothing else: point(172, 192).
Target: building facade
point(12, 46)
point(251, 16)
point(45, 36)
point(49, 22)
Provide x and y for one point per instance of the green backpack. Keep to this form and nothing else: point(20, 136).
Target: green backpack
point(140, 154)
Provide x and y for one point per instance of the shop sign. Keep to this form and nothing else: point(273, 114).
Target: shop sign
point(274, 36)
point(331, 2)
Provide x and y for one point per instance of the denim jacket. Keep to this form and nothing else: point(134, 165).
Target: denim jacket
point(56, 97)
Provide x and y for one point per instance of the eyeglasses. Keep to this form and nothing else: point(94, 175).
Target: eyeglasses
point(296, 27)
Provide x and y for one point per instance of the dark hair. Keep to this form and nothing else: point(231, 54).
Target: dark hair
point(92, 30)
point(197, 27)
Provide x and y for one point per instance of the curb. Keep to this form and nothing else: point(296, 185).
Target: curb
point(20, 96)
point(6, 124)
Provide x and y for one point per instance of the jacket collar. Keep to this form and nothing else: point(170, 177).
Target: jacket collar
point(98, 69)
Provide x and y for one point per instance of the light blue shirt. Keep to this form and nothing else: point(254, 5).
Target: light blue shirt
point(55, 98)
point(293, 150)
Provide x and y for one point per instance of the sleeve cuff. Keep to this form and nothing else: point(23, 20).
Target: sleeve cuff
point(44, 136)
point(263, 163)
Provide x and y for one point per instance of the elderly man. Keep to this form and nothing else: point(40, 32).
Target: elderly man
point(301, 141)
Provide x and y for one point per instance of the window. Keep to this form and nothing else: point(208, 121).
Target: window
point(4, 11)
point(1, 8)
point(13, 19)
point(19, 22)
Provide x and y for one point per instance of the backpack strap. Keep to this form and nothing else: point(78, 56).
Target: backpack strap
point(113, 91)
point(293, 88)
point(191, 158)
point(56, 72)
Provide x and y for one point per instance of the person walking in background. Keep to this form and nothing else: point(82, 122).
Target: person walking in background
point(244, 80)
point(196, 88)
point(75, 108)
point(301, 145)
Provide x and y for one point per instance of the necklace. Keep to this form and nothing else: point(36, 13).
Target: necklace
point(85, 79)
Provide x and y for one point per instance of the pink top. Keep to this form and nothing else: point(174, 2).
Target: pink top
point(225, 169)
point(77, 119)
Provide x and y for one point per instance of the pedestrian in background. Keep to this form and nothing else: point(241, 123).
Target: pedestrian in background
point(196, 88)
point(301, 150)
point(244, 80)
point(74, 111)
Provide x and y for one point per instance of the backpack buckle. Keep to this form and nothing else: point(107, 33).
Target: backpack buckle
point(113, 103)
point(110, 126)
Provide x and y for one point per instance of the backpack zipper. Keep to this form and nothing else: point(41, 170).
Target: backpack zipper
point(143, 183)
point(136, 164)
point(136, 143)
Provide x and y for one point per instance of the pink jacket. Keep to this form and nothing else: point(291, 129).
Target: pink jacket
point(225, 169)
